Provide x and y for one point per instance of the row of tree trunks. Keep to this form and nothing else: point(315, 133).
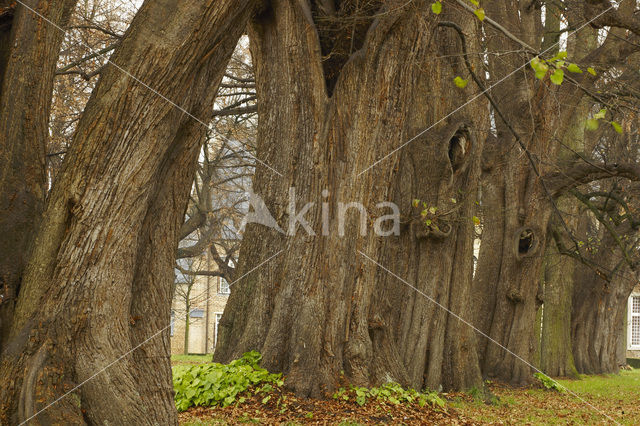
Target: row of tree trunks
point(516, 208)
point(28, 57)
point(98, 282)
point(321, 307)
point(517, 203)
point(599, 308)
point(556, 353)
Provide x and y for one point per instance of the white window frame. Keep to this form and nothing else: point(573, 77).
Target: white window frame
point(217, 316)
point(630, 317)
point(221, 287)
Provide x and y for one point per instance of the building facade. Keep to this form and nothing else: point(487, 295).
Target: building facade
point(197, 307)
point(633, 324)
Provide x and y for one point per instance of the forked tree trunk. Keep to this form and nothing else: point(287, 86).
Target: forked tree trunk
point(28, 56)
point(598, 310)
point(321, 307)
point(97, 288)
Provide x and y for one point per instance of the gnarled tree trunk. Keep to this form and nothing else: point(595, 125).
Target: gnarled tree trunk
point(599, 307)
point(97, 288)
point(28, 56)
point(332, 101)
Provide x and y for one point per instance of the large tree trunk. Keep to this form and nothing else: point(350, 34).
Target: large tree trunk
point(556, 353)
point(323, 307)
point(28, 57)
point(97, 288)
point(517, 203)
point(599, 307)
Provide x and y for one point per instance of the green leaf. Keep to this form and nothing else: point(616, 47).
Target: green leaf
point(479, 13)
point(415, 202)
point(460, 82)
point(476, 220)
point(574, 68)
point(592, 124)
point(591, 71)
point(539, 67)
point(561, 55)
point(475, 2)
point(436, 8)
point(266, 399)
point(433, 210)
point(557, 76)
point(617, 127)
point(600, 114)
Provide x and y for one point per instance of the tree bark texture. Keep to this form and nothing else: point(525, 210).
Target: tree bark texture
point(98, 283)
point(556, 353)
point(28, 57)
point(599, 307)
point(321, 307)
point(516, 201)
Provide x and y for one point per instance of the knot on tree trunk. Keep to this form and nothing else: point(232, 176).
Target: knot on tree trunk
point(432, 229)
point(515, 296)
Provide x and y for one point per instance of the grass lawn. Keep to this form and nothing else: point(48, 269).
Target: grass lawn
point(190, 359)
point(616, 395)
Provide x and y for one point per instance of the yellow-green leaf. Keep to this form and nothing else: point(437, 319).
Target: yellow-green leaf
point(561, 55)
point(475, 2)
point(460, 82)
point(479, 13)
point(436, 7)
point(539, 67)
point(415, 202)
point(617, 127)
point(600, 114)
point(574, 68)
point(591, 71)
point(557, 77)
point(476, 220)
point(592, 124)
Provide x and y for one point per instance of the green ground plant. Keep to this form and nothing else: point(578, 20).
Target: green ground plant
point(221, 384)
point(389, 392)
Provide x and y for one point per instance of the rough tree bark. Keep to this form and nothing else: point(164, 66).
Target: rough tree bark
point(599, 307)
point(98, 283)
point(331, 103)
point(517, 202)
point(28, 55)
point(556, 353)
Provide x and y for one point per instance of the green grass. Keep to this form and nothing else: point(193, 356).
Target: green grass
point(616, 395)
point(190, 359)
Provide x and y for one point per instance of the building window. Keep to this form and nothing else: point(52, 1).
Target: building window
point(215, 336)
point(634, 322)
point(197, 313)
point(224, 287)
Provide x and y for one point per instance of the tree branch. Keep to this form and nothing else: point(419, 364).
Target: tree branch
point(584, 171)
